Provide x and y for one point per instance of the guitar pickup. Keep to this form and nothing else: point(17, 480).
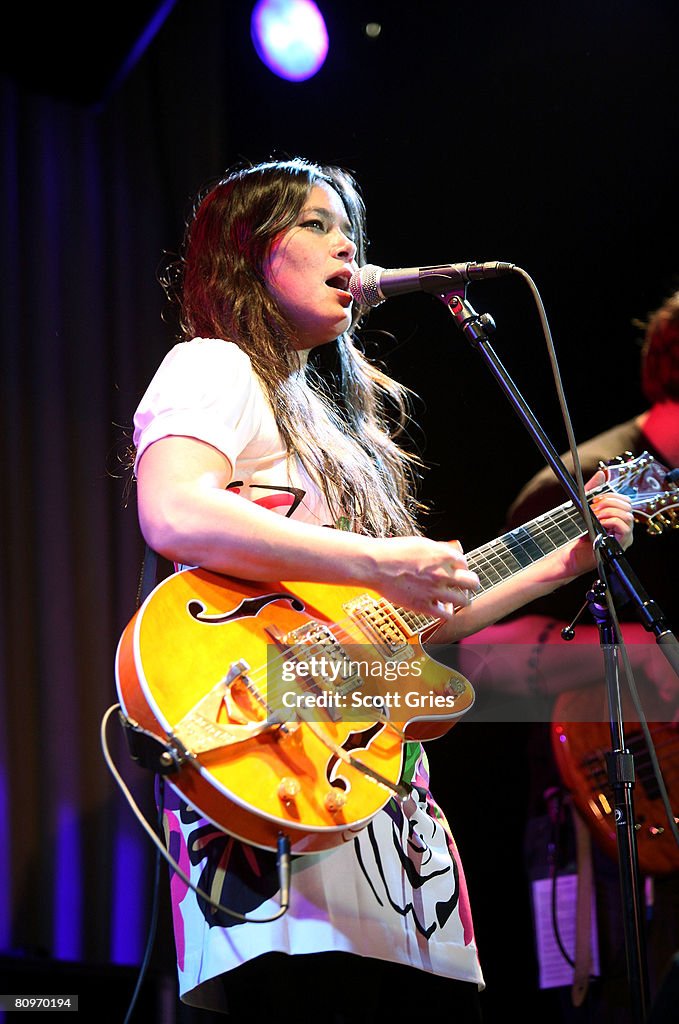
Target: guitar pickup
point(382, 626)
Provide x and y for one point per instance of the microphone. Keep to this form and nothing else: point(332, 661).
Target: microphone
point(371, 285)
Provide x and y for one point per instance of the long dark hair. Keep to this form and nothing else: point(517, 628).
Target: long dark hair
point(342, 429)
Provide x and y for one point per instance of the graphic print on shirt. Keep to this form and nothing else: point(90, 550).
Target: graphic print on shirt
point(284, 497)
point(243, 877)
point(423, 844)
point(236, 875)
point(281, 497)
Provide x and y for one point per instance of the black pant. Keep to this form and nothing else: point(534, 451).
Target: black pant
point(339, 988)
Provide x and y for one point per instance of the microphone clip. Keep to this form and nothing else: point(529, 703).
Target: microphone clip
point(476, 327)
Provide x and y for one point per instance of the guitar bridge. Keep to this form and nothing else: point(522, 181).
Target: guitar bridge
point(199, 730)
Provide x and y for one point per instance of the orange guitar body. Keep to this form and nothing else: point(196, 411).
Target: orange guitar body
point(187, 636)
point(581, 737)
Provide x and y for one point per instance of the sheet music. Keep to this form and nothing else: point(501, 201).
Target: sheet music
point(554, 968)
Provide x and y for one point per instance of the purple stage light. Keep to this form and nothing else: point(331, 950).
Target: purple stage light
point(290, 37)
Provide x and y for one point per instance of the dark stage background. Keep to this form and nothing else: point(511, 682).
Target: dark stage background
point(541, 134)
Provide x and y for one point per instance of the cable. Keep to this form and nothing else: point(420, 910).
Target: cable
point(283, 843)
point(154, 915)
point(542, 313)
point(555, 856)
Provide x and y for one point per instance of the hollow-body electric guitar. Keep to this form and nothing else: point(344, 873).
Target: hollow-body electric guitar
point(284, 707)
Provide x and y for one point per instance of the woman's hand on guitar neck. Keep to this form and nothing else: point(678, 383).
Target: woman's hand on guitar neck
point(614, 511)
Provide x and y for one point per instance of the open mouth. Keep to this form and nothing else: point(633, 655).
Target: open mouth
point(339, 281)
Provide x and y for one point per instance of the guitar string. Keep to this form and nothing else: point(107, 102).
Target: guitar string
point(540, 530)
point(489, 557)
point(498, 549)
point(384, 606)
point(666, 745)
point(595, 763)
point(545, 527)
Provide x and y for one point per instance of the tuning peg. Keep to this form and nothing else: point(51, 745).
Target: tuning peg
point(653, 528)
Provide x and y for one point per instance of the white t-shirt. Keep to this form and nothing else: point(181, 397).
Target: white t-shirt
point(396, 891)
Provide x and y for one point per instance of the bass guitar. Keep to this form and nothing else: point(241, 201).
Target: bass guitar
point(285, 707)
point(581, 738)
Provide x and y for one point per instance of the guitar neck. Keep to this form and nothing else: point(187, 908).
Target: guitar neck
point(506, 556)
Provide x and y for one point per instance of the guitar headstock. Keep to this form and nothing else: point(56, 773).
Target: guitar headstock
point(650, 486)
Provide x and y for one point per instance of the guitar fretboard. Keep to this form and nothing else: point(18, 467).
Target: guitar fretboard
point(504, 557)
point(508, 555)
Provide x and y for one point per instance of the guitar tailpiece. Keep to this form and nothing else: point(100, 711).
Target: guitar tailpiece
point(149, 751)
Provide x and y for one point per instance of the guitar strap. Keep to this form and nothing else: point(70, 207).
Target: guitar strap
point(583, 911)
point(148, 576)
point(145, 748)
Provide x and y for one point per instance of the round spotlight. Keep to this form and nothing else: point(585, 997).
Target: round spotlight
point(290, 37)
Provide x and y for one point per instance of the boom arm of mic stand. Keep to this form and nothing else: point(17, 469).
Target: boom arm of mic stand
point(475, 327)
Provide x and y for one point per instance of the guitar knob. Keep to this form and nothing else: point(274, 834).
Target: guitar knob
point(454, 687)
point(288, 788)
point(335, 800)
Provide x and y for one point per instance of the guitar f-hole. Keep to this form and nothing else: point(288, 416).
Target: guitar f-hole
point(249, 607)
point(354, 741)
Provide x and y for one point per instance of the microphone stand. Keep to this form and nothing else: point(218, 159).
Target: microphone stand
point(476, 327)
point(620, 770)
